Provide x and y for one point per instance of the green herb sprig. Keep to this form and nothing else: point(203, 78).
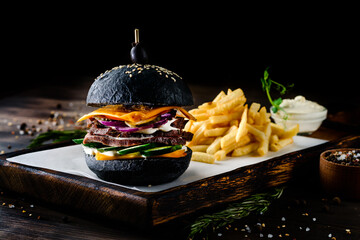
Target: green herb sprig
point(267, 83)
point(56, 136)
point(257, 203)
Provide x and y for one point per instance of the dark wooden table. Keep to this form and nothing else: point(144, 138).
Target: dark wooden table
point(304, 211)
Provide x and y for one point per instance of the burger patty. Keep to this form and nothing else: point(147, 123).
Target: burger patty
point(97, 128)
point(112, 137)
point(127, 142)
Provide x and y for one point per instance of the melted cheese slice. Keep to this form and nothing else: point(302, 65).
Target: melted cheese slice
point(176, 154)
point(115, 112)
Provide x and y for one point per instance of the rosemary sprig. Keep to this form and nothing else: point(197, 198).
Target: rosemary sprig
point(56, 136)
point(267, 82)
point(257, 203)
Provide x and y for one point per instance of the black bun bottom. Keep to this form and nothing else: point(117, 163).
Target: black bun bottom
point(141, 172)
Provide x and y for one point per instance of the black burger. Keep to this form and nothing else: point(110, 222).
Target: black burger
point(136, 136)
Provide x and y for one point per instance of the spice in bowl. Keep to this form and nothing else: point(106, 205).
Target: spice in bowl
point(347, 158)
point(340, 172)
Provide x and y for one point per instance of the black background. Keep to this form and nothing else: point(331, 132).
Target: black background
point(224, 45)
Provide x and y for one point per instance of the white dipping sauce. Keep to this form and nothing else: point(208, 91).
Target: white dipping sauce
point(300, 105)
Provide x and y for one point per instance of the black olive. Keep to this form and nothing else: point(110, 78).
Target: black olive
point(138, 54)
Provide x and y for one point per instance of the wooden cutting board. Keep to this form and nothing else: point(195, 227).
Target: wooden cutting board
point(147, 209)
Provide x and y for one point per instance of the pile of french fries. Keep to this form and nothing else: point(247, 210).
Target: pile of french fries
point(228, 127)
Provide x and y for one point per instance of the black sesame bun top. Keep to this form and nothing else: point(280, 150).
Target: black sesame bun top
point(139, 84)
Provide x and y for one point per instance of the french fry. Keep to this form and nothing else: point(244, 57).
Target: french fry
point(197, 111)
point(201, 116)
point(199, 148)
point(244, 150)
point(218, 125)
point(234, 122)
point(239, 108)
point(215, 132)
point(228, 126)
point(202, 157)
point(207, 105)
point(280, 144)
point(206, 140)
point(273, 139)
point(220, 155)
point(290, 132)
point(188, 126)
point(229, 138)
point(254, 108)
point(225, 118)
point(214, 146)
point(242, 130)
point(277, 129)
point(262, 117)
point(197, 135)
point(264, 145)
point(259, 135)
point(227, 106)
point(195, 126)
point(243, 141)
point(236, 93)
point(220, 96)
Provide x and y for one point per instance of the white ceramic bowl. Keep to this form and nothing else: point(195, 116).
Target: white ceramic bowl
point(308, 122)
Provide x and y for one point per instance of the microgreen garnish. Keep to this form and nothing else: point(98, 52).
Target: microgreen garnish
point(267, 83)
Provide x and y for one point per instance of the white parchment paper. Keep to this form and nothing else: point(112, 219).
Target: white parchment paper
point(71, 160)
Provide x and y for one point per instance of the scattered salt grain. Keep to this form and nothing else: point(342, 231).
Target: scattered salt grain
point(307, 229)
point(283, 219)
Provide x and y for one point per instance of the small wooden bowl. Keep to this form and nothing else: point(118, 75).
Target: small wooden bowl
point(340, 179)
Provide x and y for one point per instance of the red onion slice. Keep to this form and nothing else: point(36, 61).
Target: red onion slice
point(166, 115)
point(122, 127)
